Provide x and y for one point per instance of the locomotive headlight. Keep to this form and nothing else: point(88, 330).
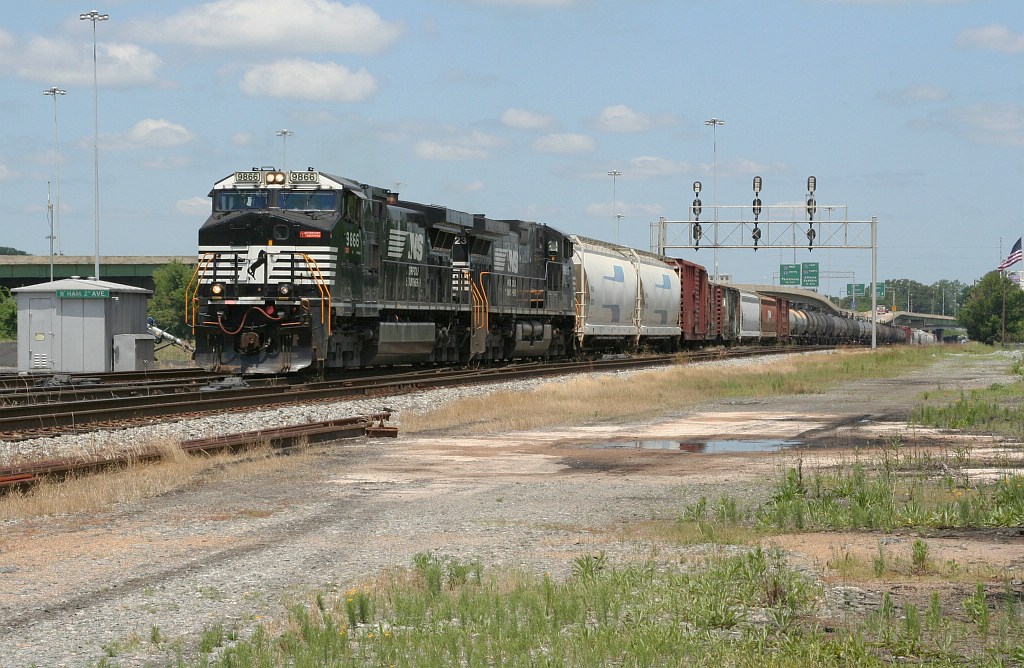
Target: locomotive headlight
point(217, 290)
point(275, 177)
point(285, 290)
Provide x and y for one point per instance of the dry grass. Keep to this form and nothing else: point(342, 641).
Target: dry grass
point(176, 469)
point(608, 398)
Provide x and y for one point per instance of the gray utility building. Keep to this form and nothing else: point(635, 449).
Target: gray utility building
point(79, 325)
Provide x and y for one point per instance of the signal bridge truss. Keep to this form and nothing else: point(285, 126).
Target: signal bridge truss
point(777, 227)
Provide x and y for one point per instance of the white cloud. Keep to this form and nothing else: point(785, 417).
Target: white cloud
point(470, 147)
point(994, 37)
point(117, 64)
point(564, 143)
point(526, 120)
point(620, 118)
point(241, 138)
point(307, 80)
point(993, 124)
point(152, 133)
point(644, 167)
point(315, 26)
point(193, 206)
point(6, 174)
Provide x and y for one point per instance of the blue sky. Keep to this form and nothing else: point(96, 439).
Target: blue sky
point(908, 110)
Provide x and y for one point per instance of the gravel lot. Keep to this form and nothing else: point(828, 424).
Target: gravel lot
point(234, 550)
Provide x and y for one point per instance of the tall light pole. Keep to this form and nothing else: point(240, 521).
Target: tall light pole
point(55, 232)
point(284, 134)
point(615, 212)
point(714, 123)
point(94, 16)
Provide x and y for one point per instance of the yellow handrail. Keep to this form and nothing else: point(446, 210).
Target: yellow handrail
point(325, 291)
point(192, 293)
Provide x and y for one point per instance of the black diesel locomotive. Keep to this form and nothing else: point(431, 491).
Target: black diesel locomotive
point(306, 270)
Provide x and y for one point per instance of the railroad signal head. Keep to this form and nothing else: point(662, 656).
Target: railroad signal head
point(696, 208)
point(697, 233)
point(810, 237)
point(812, 183)
point(696, 187)
point(812, 208)
point(756, 236)
point(757, 184)
point(757, 207)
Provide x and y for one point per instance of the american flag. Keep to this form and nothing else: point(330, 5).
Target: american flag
point(1014, 257)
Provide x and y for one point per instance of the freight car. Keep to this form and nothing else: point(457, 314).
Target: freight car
point(304, 270)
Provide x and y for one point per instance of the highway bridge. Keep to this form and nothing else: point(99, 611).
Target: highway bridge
point(17, 271)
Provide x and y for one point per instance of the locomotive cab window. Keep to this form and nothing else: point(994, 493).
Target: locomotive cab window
point(321, 200)
point(229, 200)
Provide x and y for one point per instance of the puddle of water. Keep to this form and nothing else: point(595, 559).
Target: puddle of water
point(700, 447)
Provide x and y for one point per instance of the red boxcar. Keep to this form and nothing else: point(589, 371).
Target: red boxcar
point(695, 302)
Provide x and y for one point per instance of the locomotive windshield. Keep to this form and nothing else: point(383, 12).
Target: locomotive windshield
point(233, 200)
point(294, 200)
point(320, 200)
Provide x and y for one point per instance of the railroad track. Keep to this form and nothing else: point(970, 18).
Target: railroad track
point(33, 420)
point(15, 381)
point(91, 409)
point(281, 438)
point(96, 413)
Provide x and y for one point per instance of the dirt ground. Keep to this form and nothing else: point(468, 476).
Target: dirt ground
point(232, 549)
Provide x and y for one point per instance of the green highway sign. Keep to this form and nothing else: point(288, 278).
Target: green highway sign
point(789, 274)
point(880, 289)
point(809, 275)
point(856, 289)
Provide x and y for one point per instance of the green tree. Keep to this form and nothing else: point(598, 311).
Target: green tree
point(982, 311)
point(8, 315)
point(167, 306)
point(7, 250)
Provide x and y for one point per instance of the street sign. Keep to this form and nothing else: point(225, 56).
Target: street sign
point(83, 294)
point(855, 289)
point(880, 289)
point(789, 274)
point(809, 275)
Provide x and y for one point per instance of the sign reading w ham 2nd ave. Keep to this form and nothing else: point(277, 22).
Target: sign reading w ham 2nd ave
point(83, 294)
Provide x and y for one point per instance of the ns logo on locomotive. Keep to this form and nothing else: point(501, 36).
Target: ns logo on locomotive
point(307, 270)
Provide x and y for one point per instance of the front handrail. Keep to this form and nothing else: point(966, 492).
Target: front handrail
point(324, 288)
point(192, 289)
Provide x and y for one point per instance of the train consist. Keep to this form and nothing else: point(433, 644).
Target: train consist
point(306, 270)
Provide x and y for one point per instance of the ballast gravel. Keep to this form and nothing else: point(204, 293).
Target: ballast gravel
point(95, 443)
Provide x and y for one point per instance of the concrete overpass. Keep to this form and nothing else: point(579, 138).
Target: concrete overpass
point(942, 326)
point(802, 299)
point(18, 271)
